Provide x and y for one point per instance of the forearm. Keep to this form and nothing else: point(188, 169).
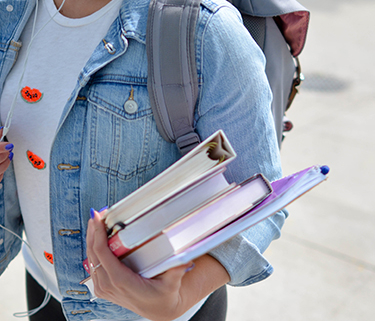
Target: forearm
point(207, 276)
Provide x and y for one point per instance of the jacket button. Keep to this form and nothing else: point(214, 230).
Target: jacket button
point(9, 8)
point(131, 106)
point(1, 241)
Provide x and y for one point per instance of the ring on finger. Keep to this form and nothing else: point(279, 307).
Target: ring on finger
point(93, 267)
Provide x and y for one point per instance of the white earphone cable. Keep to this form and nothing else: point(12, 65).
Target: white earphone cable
point(5, 131)
point(8, 120)
point(47, 295)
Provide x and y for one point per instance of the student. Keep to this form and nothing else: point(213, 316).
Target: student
point(73, 145)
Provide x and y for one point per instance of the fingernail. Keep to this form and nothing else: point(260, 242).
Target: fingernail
point(10, 156)
point(190, 268)
point(103, 209)
point(92, 213)
point(9, 147)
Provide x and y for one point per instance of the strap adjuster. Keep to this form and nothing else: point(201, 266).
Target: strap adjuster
point(187, 142)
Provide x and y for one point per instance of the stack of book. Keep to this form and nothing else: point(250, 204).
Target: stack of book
point(190, 208)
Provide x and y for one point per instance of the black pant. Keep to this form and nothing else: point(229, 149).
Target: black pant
point(35, 296)
point(214, 309)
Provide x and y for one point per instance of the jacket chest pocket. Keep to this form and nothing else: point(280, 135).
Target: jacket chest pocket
point(124, 140)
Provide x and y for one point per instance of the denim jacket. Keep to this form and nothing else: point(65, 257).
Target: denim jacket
point(101, 152)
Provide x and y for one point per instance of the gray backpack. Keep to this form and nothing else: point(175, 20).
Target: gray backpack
point(278, 26)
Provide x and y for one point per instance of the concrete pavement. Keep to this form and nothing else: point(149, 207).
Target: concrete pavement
point(325, 260)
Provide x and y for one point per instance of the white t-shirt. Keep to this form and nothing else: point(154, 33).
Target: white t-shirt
point(51, 70)
point(50, 75)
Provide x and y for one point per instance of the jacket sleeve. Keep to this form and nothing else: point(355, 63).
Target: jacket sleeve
point(10, 217)
point(235, 96)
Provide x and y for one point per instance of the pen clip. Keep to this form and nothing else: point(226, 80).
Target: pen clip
point(85, 280)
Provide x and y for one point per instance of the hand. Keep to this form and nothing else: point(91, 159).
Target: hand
point(156, 299)
point(6, 155)
point(164, 297)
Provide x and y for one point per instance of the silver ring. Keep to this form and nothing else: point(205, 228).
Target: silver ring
point(94, 268)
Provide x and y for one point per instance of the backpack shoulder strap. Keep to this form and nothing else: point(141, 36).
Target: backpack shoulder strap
point(172, 75)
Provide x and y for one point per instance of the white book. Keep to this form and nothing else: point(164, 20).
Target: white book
point(208, 157)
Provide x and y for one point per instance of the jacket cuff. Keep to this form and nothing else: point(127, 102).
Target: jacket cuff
point(243, 261)
point(242, 255)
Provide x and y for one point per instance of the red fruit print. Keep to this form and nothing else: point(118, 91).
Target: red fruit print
point(31, 95)
point(35, 160)
point(49, 257)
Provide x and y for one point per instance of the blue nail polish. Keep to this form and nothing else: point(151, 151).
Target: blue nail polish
point(92, 213)
point(9, 147)
point(10, 155)
point(103, 209)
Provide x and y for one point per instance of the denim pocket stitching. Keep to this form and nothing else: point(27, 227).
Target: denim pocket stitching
point(113, 167)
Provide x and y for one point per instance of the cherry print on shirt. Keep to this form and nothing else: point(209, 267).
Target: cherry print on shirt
point(31, 96)
point(35, 160)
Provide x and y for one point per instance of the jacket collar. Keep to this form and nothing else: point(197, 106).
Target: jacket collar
point(133, 18)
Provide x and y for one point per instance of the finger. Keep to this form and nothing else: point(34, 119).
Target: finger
point(110, 262)
point(99, 275)
point(100, 240)
point(4, 165)
point(102, 284)
point(90, 243)
point(107, 277)
point(6, 155)
point(6, 151)
point(102, 211)
point(90, 238)
point(6, 146)
point(90, 228)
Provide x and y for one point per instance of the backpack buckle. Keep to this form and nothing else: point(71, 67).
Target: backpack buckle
point(296, 83)
point(187, 142)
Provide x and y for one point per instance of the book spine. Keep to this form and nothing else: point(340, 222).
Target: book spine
point(86, 265)
point(116, 245)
